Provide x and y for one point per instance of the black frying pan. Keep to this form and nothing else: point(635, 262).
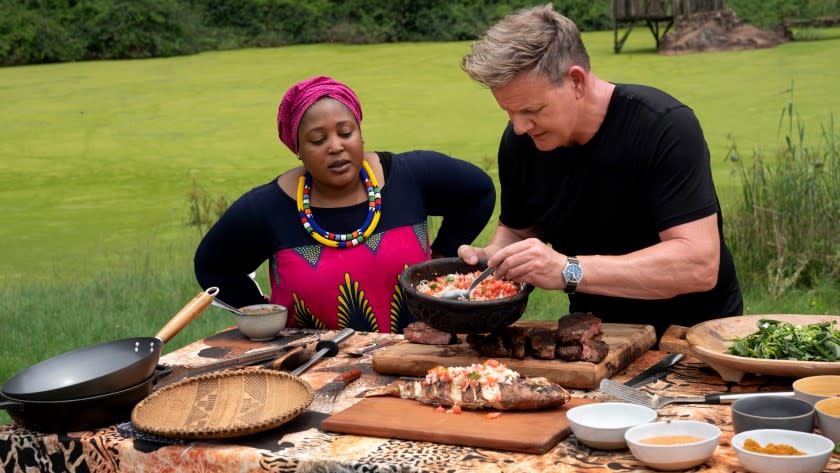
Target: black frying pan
point(101, 369)
point(81, 414)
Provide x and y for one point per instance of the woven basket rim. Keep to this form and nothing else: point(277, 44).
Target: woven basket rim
point(215, 432)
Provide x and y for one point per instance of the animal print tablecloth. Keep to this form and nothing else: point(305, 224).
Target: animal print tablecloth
point(299, 446)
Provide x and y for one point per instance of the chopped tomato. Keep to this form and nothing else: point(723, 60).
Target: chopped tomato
point(456, 409)
point(492, 362)
point(440, 410)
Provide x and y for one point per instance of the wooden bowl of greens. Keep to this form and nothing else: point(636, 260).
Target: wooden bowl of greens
point(775, 344)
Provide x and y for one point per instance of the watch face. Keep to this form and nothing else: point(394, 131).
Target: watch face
point(572, 273)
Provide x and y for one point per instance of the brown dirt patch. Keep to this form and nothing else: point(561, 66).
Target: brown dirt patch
point(717, 31)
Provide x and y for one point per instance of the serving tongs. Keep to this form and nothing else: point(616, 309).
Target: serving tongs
point(655, 401)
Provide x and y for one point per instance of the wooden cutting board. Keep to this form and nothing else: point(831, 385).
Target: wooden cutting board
point(627, 342)
point(517, 431)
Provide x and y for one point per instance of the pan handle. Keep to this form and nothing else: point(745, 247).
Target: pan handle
point(186, 315)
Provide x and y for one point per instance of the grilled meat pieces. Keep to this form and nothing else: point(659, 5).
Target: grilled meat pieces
point(418, 332)
point(577, 338)
point(577, 327)
point(591, 350)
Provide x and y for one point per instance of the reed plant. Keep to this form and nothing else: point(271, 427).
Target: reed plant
point(783, 230)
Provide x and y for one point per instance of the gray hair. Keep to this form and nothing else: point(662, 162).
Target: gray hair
point(538, 40)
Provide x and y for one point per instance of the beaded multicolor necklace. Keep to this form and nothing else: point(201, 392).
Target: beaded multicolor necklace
point(340, 240)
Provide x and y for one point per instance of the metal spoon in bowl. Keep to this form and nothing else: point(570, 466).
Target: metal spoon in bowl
point(224, 305)
point(464, 294)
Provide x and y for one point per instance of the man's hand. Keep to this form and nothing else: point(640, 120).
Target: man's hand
point(530, 261)
point(472, 254)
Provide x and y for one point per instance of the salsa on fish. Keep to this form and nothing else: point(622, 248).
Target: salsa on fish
point(490, 385)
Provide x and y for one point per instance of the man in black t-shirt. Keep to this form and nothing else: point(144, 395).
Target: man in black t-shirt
point(606, 189)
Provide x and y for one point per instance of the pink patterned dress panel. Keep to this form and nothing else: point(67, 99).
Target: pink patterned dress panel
point(331, 288)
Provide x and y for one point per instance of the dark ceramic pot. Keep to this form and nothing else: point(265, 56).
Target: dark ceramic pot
point(456, 316)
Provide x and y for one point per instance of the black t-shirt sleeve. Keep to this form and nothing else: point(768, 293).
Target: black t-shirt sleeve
point(234, 247)
point(458, 191)
point(680, 185)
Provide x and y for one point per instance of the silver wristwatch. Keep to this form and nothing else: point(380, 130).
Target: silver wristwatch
point(573, 274)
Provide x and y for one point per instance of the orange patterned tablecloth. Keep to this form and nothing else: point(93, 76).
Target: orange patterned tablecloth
point(299, 446)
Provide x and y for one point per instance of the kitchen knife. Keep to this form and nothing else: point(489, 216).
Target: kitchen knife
point(657, 371)
point(373, 346)
point(325, 348)
point(253, 358)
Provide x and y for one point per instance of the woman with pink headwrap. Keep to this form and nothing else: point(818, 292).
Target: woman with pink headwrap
point(338, 230)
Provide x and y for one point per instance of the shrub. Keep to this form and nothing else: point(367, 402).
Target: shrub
point(783, 232)
point(136, 28)
point(27, 36)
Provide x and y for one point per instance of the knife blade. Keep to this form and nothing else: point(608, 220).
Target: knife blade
point(328, 347)
point(657, 371)
point(253, 358)
point(373, 346)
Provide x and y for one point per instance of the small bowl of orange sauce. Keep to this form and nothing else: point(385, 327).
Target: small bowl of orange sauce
point(673, 445)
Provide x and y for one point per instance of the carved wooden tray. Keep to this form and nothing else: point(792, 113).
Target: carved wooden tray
point(709, 341)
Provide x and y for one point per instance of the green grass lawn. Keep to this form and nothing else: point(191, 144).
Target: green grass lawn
point(97, 157)
point(96, 160)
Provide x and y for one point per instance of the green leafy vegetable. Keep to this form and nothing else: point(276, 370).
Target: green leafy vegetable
point(785, 341)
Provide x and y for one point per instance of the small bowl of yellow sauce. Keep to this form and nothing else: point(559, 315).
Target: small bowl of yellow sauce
point(816, 388)
point(673, 445)
point(828, 411)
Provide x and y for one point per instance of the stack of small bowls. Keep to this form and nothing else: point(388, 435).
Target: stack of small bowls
point(789, 421)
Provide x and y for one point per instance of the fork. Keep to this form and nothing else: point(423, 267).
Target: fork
point(655, 401)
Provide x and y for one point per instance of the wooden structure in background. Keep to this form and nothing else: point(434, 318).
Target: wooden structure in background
point(654, 13)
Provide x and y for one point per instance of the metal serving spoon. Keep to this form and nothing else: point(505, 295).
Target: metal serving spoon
point(224, 305)
point(464, 294)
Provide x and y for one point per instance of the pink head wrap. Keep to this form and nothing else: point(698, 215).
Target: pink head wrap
point(301, 96)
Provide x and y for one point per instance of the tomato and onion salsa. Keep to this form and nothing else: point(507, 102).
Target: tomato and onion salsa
point(487, 290)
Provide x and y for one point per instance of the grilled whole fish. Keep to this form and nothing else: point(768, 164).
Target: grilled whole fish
point(478, 387)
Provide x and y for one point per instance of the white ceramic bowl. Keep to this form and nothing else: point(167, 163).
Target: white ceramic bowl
point(602, 425)
point(816, 447)
point(816, 388)
point(828, 411)
point(263, 321)
point(680, 455)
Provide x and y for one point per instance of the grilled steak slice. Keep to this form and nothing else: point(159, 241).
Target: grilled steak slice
point(577, 327)
point(516, 339)
point(541, 343)
point(593, 351)
point(488, 345)
point(568, 352)
point(418, 332)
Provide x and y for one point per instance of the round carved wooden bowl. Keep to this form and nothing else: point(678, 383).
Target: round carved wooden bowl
point(456, 316)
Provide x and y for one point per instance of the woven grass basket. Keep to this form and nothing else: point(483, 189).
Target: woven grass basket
point(223, 404)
